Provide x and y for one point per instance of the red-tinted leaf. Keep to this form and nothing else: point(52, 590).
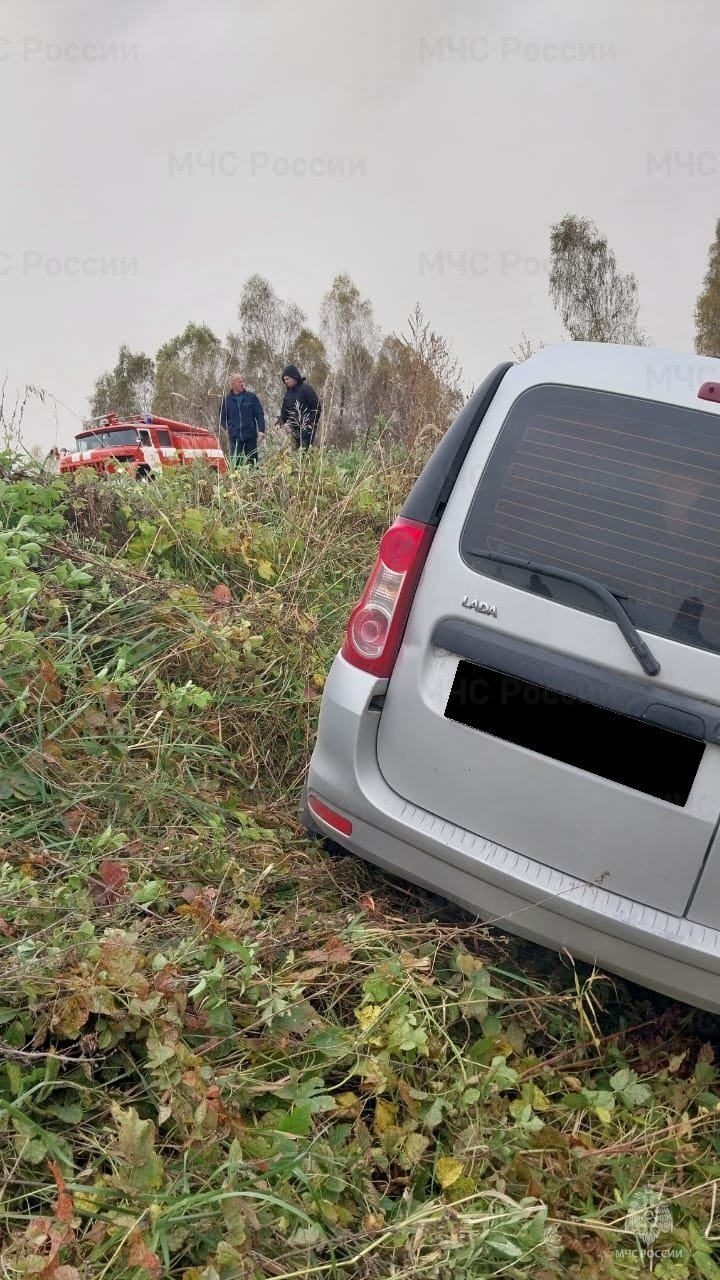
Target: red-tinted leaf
point(95, 721)
point(64, 1206)
point(113, 875)
point(109, 887)
point(141, 1256)
point(74, 818)
point(334, 952)
point(113, 701)
point(166, 980)
point(43, 1233)
point(200, 896)
point(38, 1230)
point(222, 594)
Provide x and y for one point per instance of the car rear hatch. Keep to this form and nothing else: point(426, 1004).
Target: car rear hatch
point(521, 707)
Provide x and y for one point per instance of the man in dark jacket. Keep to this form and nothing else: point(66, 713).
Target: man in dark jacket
point(300, 409)
point(242, 415)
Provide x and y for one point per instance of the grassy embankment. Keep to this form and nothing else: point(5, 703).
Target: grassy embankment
point(223, 1054)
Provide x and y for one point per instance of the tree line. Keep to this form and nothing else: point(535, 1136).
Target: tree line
point(368, 382)
point(402, 385)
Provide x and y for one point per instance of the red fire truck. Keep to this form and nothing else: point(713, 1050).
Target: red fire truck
point(144, 445)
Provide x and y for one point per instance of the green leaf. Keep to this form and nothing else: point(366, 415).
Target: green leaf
point(14, 1075)
point(491, 1027)
point(30, 1150)
point(705, 1265)
point(148, 892)
point(621, 1079)
point(404, 1035)
point(298, 1121)
point(69, 1112)
point(136, 1148)
point(158, 1052)
point(470, 1097)
point(506, 1248)
point(376, 989)
point(632, 1092)
point(435, 1112)
point(636, 1095)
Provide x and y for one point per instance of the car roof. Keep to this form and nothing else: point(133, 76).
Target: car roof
point(649, 372)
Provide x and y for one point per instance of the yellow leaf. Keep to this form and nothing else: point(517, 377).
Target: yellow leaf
point(86, 1202)
point(385, 1116)
point(603, 1115)
point(409, 961)
point(539, 1101)
point(367, 1016)
point(447, 1171)
point(71, 1014)
point(265, 570)
point(503, 1047)
point(318, 679)
point(572, 1082)
point(347, 1099)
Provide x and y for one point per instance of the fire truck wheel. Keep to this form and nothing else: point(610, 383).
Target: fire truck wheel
point(143, 472)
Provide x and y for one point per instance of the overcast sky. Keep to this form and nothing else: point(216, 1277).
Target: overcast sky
point(157, 152)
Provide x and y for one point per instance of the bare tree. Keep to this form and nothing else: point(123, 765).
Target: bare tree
point(596, 301)
point(353, 340)
point(308, 353)
point(269, 331)
point(526, 348)
point(415, 389)
point(189, 375)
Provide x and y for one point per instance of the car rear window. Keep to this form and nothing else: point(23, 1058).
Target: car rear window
point(623, 490)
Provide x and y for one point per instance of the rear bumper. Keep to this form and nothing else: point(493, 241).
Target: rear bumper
point(667, 953)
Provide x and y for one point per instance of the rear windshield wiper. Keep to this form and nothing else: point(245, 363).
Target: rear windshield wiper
point(610, 599)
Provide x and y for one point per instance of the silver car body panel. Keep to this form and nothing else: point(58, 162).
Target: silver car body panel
point(554, 853)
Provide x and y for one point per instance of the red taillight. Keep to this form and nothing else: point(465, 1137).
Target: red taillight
point(376, 624)
point(709, 391)
point(328, 815)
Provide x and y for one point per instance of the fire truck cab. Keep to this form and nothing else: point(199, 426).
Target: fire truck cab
point(144, 445)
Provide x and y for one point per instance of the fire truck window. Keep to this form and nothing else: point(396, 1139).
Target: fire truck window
point(145, 437)
point(163, 439)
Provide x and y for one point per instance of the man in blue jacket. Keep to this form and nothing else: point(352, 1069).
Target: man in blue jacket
point(242, 415)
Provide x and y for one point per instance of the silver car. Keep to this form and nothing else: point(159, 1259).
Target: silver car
point(525, 713)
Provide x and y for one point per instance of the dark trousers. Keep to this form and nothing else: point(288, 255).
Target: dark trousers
point(244, 451)
point(302, 437)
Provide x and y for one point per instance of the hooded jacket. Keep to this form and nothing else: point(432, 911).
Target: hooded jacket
point(300, 408)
